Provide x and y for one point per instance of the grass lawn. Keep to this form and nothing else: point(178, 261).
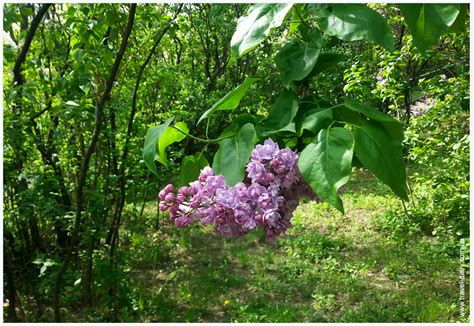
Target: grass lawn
point(328, 267)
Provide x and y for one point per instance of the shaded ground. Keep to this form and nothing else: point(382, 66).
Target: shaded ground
point(329, 267)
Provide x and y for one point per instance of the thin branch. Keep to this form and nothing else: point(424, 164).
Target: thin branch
point(17, 73)
point(137, 82)
point(122, 178)
point(300, 17)
point(216, 140)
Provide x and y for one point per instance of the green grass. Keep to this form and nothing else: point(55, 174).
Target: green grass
point(328, 267)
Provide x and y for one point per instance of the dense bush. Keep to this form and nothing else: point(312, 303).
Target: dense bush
point(438, 142)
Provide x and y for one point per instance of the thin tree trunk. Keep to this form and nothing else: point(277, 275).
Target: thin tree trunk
point(86, 160)
point(113, 236)
point(122, 178)
point(17, 72)
point(88, 299)
point(10, 279)
point(407, 107)
point(21, 185)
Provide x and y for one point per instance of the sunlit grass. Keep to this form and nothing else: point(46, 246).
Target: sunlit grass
point(329, 267)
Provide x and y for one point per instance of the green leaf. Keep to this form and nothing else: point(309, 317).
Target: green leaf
point(282, 113)
point(393, 126)
point(78, 54)
point(316, 119)
point(72, 103)
point(43, 269)
point(381, 153)
point(378, 143)
point(191, 166)
point(257, 25)
point(297, 58)
point(234, 153)
point(326, 61)
point(326, 163)
point(46, 264)
point(295, 18)
point(235, 125)
point(427, 22)
point(459, 24)
point(150, 148)
point(232, 99)
point(353, 22)
point(168, 137)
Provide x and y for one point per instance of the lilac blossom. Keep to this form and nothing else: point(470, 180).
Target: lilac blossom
point(265, 152)
point(267, 200)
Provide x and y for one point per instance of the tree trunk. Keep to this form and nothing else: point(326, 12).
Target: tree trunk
point(10, 279)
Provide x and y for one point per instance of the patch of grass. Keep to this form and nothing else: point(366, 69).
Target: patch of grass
point(329, 267)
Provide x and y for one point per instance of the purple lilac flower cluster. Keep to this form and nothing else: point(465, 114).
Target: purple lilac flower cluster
point(266, 199)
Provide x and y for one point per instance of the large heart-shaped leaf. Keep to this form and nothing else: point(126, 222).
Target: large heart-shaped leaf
point(382, 154)
point(257, 25)
point(168, 137)
point(191, 166)
point(353, 22)
point(326, 163)
point(378, 143)
point(282, 113)
point(234, 153)
point(393, 126)
point(232, 99)
point(427, 22)
point(150, 148)
point(297, 58)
